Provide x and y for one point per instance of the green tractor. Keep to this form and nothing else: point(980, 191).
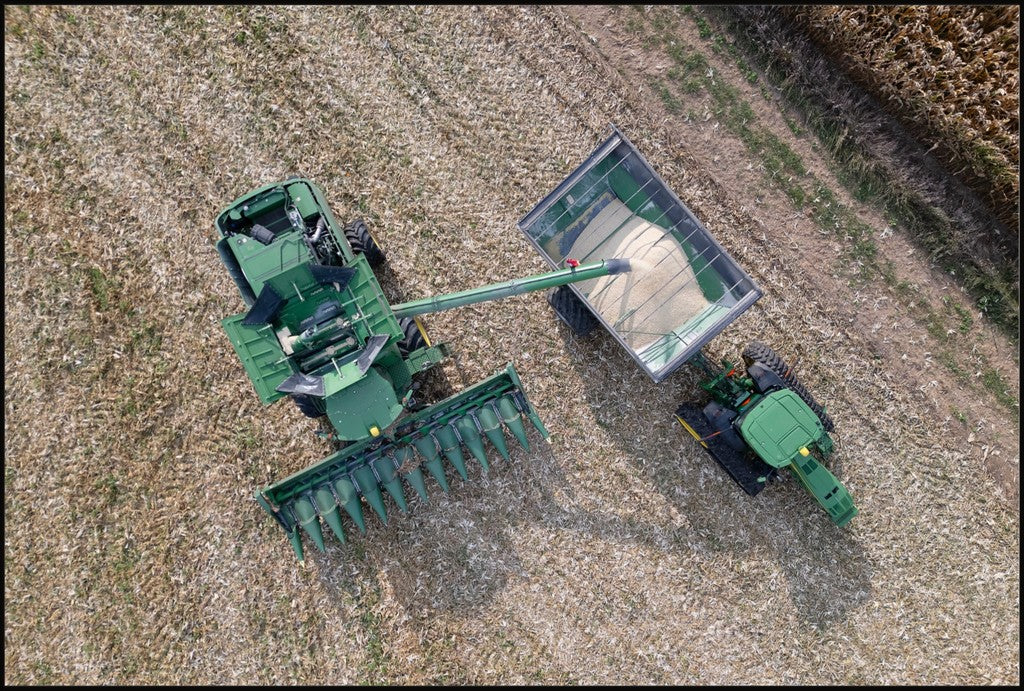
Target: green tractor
point(762, 419)
point(318, 329)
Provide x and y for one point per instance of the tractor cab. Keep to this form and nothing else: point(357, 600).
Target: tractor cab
point(779, 427)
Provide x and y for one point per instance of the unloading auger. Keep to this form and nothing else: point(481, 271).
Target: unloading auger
point(319, 329)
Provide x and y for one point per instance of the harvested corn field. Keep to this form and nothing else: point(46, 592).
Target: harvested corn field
point(619, 553)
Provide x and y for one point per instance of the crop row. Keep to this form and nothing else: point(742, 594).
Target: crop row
point(950, 72)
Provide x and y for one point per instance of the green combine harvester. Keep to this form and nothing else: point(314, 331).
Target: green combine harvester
point(627, 255)
point(319, 329)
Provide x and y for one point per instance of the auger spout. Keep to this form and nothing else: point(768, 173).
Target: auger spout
point(518, 286)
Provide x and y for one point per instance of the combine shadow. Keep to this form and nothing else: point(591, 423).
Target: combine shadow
point(457, 552)
point(389, 282)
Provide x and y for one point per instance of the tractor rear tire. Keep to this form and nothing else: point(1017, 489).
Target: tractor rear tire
point(308, 405)
point(759, 352)
point(358, 236)
point(572, 311)
point(413, 339)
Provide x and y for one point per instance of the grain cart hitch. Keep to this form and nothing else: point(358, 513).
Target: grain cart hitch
point(683, 290)
point(319, 329)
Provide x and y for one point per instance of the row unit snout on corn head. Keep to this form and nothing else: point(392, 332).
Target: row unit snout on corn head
point(319, 330)
point(626, 255)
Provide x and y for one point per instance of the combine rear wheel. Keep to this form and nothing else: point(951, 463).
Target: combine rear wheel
point(759, 352)
point(358, 235)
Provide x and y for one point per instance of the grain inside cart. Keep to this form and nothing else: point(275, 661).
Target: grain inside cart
point(684, 289)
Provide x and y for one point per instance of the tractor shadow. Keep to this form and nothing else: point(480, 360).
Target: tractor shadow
point(826, 570)
point(458, 551)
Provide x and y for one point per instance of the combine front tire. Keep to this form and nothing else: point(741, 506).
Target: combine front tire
point(759, 352)
point(413, 338)
point(358, 236)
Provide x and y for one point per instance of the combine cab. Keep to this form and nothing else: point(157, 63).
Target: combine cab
point(683, 290)
point(319, 330)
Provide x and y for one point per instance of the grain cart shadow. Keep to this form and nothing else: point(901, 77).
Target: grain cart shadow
point(826, 570)
point(390, 283)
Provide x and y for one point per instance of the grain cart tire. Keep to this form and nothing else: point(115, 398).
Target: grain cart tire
point(571, 310)
point(760, 353)
point(413, 339)
point(309, 405)
point(358, 236)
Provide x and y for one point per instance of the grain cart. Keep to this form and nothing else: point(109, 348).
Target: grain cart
point(683, 290)
point(319, 330)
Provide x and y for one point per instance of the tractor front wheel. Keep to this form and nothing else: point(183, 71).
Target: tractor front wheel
point(760, 353)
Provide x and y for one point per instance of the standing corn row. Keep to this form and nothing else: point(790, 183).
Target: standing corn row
point(952, 68)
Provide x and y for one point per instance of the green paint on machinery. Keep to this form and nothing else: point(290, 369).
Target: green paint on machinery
point(761, 420)
point(319, 329)
point(683, 290)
